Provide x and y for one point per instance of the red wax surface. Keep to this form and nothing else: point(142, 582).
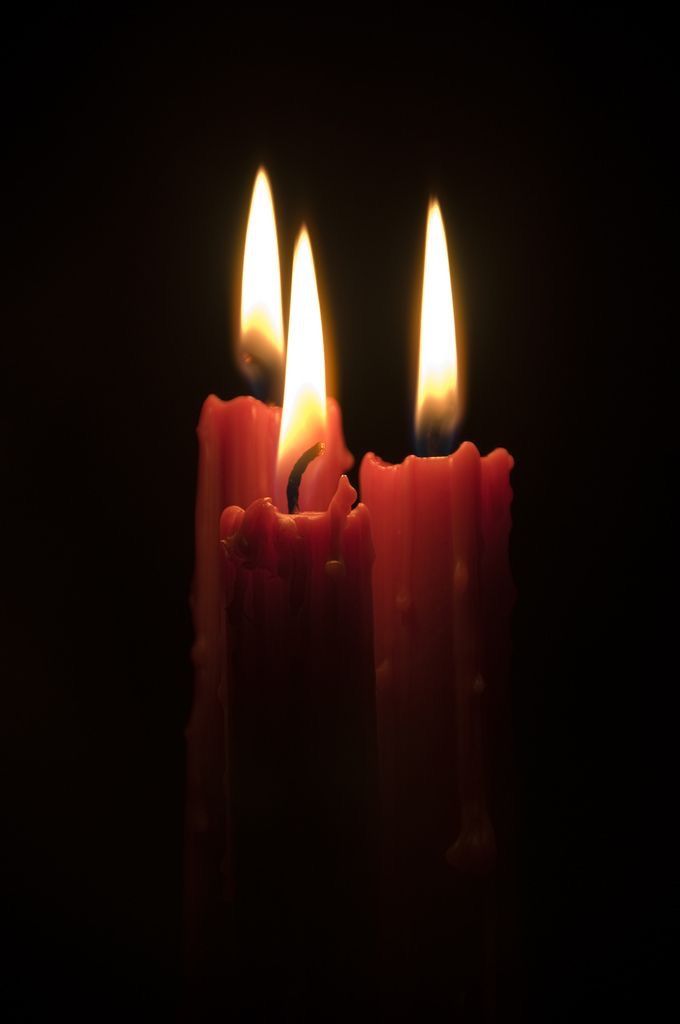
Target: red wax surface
point(238, 442)
point(443, 594)
point(303, 766)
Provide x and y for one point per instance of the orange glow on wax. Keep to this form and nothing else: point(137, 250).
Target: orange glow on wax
point(261, 344)
point(303, 418)
point(438, 397)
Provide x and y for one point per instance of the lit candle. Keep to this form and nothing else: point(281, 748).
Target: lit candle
point(302, 766)
point(442, 598)
point(237, 464)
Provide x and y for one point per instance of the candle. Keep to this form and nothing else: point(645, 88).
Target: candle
point(238, 443)
point(301, 696)
point(442, 598)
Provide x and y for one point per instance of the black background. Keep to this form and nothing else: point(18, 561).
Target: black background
point(133, 144)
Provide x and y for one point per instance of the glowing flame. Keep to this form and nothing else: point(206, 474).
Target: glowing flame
point(437, 403)
point(303, 418)
point(261, 343)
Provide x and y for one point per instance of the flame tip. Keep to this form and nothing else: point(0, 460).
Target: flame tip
point(434, 208)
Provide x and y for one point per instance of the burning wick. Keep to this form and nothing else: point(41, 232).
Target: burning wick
point(293, 488)
point(434, 441)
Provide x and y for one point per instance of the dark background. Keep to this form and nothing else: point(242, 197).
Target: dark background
point(132, 144)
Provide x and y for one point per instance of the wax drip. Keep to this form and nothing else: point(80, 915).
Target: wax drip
point(293, 488)
point(475, 849)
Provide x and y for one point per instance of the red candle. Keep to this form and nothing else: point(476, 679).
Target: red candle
point(442, 596)
point(238, 442)
point(442, 599)
point(301, 692)
point(302, 738)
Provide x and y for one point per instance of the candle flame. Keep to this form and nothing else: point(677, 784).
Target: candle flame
point(437, 402)
point(303, 418)
point(261, 343)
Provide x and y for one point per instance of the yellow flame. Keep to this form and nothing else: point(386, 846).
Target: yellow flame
point(437, 402)
point(303, 418)
point(261, 313)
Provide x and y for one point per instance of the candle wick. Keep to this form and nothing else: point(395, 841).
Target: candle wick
point(266, 384)
point(435, 442)
point(293, 488)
